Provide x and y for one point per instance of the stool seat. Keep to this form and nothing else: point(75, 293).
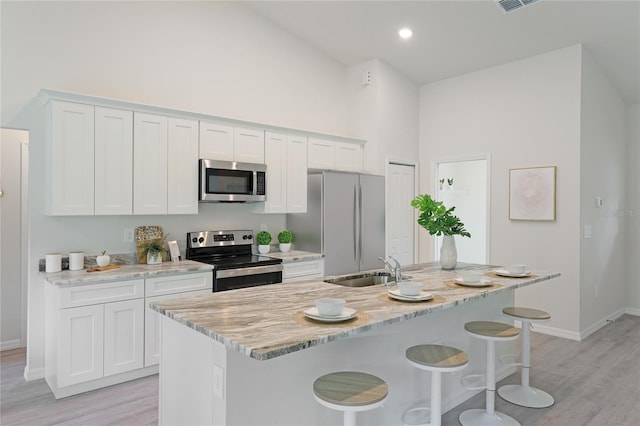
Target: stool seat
point(437, 359)
point(350, 392)
point(492, 332)
point(526, 313)
point(523, 394)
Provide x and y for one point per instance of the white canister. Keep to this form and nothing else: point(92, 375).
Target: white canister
point(76, 260)
point(53, 262)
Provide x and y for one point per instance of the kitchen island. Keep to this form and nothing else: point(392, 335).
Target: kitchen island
point(250, 356)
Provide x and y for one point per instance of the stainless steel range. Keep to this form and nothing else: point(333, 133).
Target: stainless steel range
point(234, 264)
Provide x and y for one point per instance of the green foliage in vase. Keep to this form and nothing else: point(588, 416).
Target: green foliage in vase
point(263, 238)
point(285, 237)
point(436, 218)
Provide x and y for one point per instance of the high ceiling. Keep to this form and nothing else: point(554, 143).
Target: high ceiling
point(454, 37)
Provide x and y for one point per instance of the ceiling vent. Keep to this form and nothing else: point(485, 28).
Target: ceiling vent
point(511, 5)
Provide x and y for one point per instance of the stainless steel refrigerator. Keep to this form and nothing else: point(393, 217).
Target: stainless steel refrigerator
point(345, 221)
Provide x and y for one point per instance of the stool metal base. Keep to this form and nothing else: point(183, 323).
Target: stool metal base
point(480, 417)
point(417, 416)
point(526, 396)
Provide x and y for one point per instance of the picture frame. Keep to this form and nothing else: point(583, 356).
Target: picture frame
point(532, 193)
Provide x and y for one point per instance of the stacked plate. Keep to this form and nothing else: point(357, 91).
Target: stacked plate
point(421, 297)
point(346, 314)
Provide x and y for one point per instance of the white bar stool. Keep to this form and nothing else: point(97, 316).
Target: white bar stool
point(437, 359)
point(350, 392)
point(523, 394)
point(491, 332)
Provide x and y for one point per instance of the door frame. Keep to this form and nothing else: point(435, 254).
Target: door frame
point(434, 176)
point(416, 182)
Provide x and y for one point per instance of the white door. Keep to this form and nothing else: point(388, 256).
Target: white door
point(150, 164)
point(182, 165)
point(216, 141)
point(248, 145)
point(123, 336)
point(296, 174)
point(275, 157)
point(80, 356)
point(14, 160)
point(113, 161)
point(401, 217)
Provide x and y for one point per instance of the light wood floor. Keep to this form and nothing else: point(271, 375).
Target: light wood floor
point(595, 382)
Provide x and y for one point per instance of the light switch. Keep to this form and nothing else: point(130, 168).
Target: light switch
point(586, 231)
point(598, 202)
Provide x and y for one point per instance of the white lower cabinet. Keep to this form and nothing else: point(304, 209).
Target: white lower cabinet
point(304, 270)
point(100, 334)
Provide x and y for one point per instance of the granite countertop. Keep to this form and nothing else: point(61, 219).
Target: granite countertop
point(266, 322)
point(125, 272)
point(295, 256)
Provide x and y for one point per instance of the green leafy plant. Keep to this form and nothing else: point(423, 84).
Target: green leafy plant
point(285, 237)
point(436, 218)
point(263, 238)
point(153, 247)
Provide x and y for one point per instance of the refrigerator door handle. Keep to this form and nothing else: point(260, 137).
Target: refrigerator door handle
point(360, 227)
point(356, 234)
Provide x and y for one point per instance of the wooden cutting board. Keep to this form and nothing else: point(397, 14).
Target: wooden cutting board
point(103, 268)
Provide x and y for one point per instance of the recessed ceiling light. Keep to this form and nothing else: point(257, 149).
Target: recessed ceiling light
point(405, 33)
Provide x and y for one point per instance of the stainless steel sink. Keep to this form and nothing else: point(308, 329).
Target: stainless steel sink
point(363, 280)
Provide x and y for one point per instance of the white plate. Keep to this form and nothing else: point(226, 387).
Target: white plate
point(484, 282)
point(505, 273)
point(395, 294)
point(347, 314)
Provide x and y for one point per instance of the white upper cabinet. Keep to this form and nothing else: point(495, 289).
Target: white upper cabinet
point(216, 141)
point(286, 160)
point(334, 155)
point(296, 174)
point(228, 143)
point(70, 154)
point(348, 157)
point(150, 164)
point(113, 161)
point(182, 166)
point(248, 145)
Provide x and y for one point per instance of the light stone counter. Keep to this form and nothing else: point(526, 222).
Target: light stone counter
point(125, 272)
point(295, 256)
point(260, 322)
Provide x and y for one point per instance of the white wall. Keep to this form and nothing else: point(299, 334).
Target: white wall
point(385, 113)
point(523, 114)
point(603, 151)
point(210, 57)
point(633, 210)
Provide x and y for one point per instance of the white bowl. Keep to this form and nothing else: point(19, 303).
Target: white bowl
point(409, 288)
point(330, 307)
point(471, 276)
point(516, 268)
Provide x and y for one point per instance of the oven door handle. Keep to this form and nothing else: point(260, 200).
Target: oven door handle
point(252, 270)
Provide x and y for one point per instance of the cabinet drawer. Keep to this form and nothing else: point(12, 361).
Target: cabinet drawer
point(92, 294)
point(303, 269)
point(179, 284)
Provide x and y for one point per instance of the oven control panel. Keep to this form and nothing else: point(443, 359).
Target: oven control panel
point(219, 238)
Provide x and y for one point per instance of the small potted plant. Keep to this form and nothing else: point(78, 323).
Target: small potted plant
point(438, 220)
point(263, 239)
point(154, 250)
point(284, 239)
point(103, 259)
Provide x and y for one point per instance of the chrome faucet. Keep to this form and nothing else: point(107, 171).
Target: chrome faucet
point(396, 271)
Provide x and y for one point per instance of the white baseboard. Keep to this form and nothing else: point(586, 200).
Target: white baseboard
point(600, 323)
point(10, 344)
point(632, 311)
point(33, 374)
point(557, 332)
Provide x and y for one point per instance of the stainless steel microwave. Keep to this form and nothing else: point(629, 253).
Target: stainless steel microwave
point(229, 181)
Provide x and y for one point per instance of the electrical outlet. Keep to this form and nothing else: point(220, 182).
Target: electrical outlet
point(128, 235)
point(263, 227)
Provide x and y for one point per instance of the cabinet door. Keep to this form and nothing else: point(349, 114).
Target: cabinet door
point(322, 154)
point(113, 161)
point(123, 336)
point(149, 164)
point(348, 157)
point(152, 329)
point(275, 157)
point(216, 141)
point(296, 181)
point(182, 163)
point(70, 153)
point(248, 145)
point(80, 356)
